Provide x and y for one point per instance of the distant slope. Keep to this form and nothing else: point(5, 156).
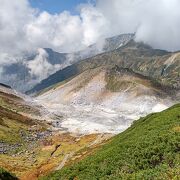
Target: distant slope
point(106, 93)
point(15, 116)
point(5, 85)
point(5, 175)
point(105, 45)
point(59, 76)
point(19, 75)
point(149, 149)
point(158, 65)
point(104, 100)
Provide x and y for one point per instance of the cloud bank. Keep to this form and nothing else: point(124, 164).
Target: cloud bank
point(39, 67)
point(24, 29)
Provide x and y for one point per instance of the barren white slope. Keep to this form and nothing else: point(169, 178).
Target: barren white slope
point(88, 107)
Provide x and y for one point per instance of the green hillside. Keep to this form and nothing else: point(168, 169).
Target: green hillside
point(149, 149)
point(12, 121)
point(4, 175)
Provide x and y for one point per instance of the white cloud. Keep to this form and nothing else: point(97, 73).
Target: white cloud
point(39, 67)
point(14, 15)
point(61, 32)
point(24, 29)
point(155, 23)
point(94, 24)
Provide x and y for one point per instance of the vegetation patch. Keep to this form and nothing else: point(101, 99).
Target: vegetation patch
point(4, 175)
point(149, 149)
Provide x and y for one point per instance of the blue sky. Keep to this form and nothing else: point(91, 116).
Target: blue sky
point(57, 6)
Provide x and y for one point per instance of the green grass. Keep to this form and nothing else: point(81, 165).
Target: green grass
point(149, 149)
point(4, 175)
point(10, 125)
point(11, 119)
point(16, 104)
point(115, 84)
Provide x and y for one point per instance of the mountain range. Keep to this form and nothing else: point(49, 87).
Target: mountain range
point(107, 92)
point(103, 112)
point(21, 75)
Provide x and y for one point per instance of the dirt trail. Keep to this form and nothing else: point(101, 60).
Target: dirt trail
point(100, 138)
point(66, 158)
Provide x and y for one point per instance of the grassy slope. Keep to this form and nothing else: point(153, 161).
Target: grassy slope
point(149, 149)
point(11, 121)
point(16, 104)
point(24, 151)
point(4, 175)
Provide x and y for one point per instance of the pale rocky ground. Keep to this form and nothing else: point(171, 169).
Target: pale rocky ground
point(87, 107)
